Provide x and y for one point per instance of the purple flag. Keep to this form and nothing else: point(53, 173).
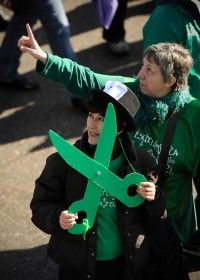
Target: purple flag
point(106, 10)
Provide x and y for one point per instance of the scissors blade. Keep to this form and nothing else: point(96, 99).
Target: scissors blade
point(73, 156)
point(107, 137)
point(94, 171)
point(90, 202)
point(79, 160)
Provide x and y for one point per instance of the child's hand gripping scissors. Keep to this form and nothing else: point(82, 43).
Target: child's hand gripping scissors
point(96, 170)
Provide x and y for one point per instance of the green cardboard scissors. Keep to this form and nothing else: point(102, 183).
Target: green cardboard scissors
point(96, 170)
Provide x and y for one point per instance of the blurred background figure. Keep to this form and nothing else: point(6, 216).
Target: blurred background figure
point(115, 34)
point(52, 15)
point(4, 19)
point(182, 28)
point(112, 15)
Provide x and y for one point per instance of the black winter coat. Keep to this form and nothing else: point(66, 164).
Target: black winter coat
point(59, 186)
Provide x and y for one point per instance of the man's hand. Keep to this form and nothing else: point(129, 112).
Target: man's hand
point(30, 45)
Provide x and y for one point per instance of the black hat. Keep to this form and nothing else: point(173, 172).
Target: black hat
point(124, 100)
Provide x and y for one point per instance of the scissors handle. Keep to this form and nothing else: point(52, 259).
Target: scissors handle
point(119, 188)
point(88, 205)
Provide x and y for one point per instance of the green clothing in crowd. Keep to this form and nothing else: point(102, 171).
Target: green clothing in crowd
point(109, 242)
point(184, 155)
point(171, 22)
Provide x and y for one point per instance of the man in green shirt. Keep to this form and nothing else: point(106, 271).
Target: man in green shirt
point(178, 21)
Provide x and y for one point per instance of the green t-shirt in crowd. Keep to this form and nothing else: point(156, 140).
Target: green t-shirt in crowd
point(109, 243)
point(182, 165)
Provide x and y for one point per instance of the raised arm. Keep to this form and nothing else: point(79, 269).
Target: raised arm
point(76, 78)
point(28, 44)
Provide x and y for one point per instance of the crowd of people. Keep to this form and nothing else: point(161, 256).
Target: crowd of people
point(168, 82)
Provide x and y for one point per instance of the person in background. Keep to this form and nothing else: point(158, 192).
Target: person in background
point(4, 20)
point(55, 22)
point(115, 34)
point(162, 89)
point(182, 28)
point(116, 247)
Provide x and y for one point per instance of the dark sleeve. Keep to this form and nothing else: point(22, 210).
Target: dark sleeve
point(49, 195)
point(153, 210)
point(147, 163)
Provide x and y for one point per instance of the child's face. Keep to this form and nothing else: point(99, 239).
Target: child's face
point(94, 126)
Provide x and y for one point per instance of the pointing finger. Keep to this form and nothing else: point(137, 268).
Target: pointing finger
point(30, 33)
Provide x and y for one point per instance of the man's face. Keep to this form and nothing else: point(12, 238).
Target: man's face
point(94, 126)
point(151, 80)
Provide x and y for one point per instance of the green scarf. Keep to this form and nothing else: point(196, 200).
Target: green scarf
point(159, 109)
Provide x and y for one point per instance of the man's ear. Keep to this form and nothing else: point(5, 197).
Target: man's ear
point(171, 82)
